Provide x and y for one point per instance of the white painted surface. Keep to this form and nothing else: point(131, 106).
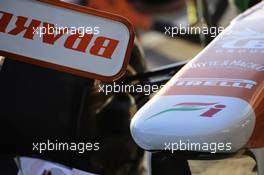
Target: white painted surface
point(233, 124)
point(58, 54)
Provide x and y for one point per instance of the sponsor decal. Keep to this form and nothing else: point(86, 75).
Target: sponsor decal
point(73, 44)
point(216, 82)
point(213, 109)
point(231, 64)
point(248, 41)
point(102, 47)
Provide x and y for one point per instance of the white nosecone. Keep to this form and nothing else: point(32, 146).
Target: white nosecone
point(214, 124)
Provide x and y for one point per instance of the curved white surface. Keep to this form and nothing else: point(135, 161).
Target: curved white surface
point(167, 119)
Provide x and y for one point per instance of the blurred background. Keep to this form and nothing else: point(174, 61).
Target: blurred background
point(150, 18)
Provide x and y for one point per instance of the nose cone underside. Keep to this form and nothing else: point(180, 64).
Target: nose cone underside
point(194, 123)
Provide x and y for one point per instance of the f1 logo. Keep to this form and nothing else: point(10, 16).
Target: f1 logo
point(193, 106)
point(213, 111)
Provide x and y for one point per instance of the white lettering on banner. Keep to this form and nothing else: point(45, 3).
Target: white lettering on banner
point(220, 82)
point(240, 64)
